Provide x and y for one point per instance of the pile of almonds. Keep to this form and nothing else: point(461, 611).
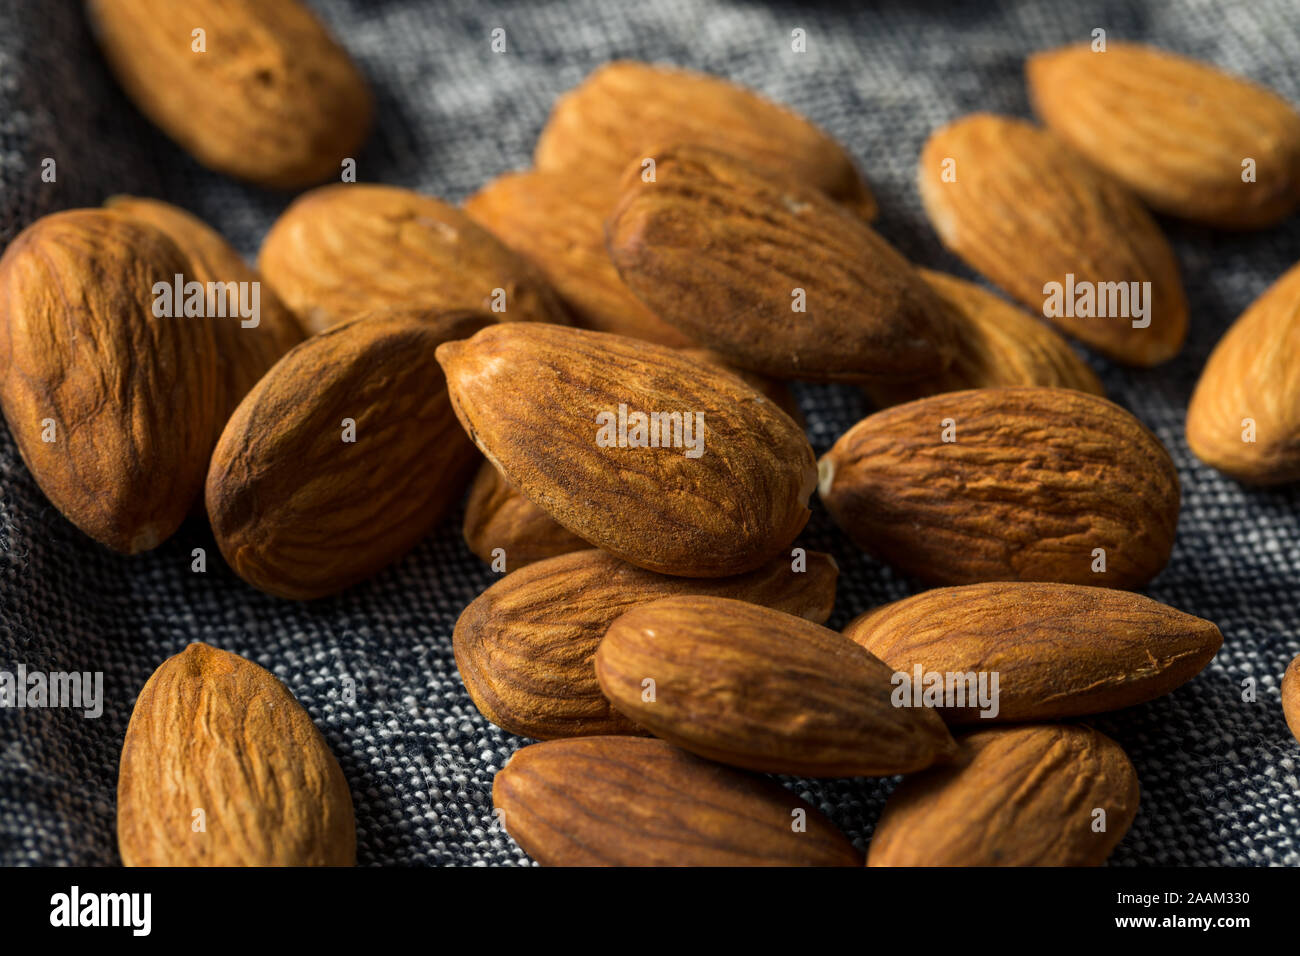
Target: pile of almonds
point(680, 250)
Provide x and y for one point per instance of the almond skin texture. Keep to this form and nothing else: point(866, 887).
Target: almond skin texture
point(629, 801)
point(1026, 210)
point(300, 513)
point(1036, 479)
point(624, 108)
point(997, 344)
point(132, 397)
point(557, 222)
point(498, 516)
point(525, 645)
point(721, 252)
point(212, 731)
point(1059, 650)
point(1291, 697)
point(764, 690)
point(529, 395)
point(1173, 130)
point(273, 99)
point(342, 250)
point(244, 354)
point(1023, 796)
point(1253, 374)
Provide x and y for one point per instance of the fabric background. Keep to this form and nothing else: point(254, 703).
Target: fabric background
point(1218, 775)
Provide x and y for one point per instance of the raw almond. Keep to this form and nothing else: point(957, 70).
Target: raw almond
point(530, 394)
point(1058, 650)
point(628, 801)
point(342, 250)
point(1026, 210)
point(761, 689)
point(343, 457)
point(1050, 795)
point(263, 92)
point(997, 344)
point(216, 740)
point(1179, 133)
point(525, 645)
point(1244, 417)
point(1015, 484)
point(1291, 697)
point(625, 108)
point(502, 523)
point(112, 407)
point(557, 222)
point(773, 276)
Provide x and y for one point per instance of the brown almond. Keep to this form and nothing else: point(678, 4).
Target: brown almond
point(772, 275)
point(112, 407)
point(761, 689)
point(342, 457)
point(727, 510)
point(1057, 650)
point(525, 645)
point(222, 767)
point(1291, 697)
point(1026, 210)
point(629, 801)
point(1039, 795)
point(624, 108)
point(1244, 417)
point(346, 249)
point(1181, 134)
point(499, 519)
point(1013, 484)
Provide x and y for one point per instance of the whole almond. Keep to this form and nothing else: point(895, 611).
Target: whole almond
point(628, 801)
point(761, 689)
point(113, 408)
point(1244, 417)
point(1179, 133)
point(1058, 650)
point(342, 458)
point(997, 344)
point(342, 250)
point(269, 96)
point(557, 221)
point(1291, 697)
point(216, 740)
point(624, 108)
point(530, 394)
point(1014, 484)
point(1039, 795)
point(244, 353)
point(525, 645)
point(773, 276)
point(500, 522)
point(1026, 210)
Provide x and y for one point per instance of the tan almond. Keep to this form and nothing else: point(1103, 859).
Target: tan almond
point(500, 523)
point(525, 645)
point(1291, 697)
point(1026, 210)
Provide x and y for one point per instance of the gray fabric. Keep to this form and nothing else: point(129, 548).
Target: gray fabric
point(1219, 776)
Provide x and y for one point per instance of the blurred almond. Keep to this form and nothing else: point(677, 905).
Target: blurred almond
point(1291, 697)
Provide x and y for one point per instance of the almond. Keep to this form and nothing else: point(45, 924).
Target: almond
point(222, 767)
point(499, 518)
point(113, 408)
point(624, 108)
point(1016, 484)
point(1190, 140)
point(1058, 650)
point(1291, 697)
point(628, 801)
point(557, 222)
point(342, 458)
point(1244, 417)
point(997, 344)
point(1051, 795)
point(773, 276)
point(525, 645)
point(342, 250)
point(253, 89)
point(543, 403)
point(1026, 211)
point(761, 689)
point(244, 353)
